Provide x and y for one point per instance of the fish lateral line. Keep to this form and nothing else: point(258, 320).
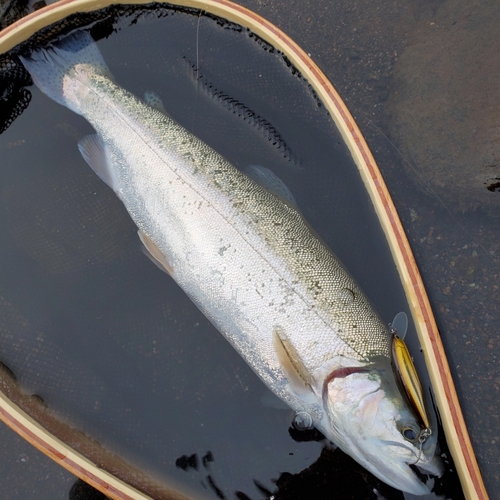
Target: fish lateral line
point(57, 57)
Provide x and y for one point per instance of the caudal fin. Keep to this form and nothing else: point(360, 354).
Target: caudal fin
point(71, 59)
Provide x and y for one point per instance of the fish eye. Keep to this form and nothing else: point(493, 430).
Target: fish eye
point(409, 434)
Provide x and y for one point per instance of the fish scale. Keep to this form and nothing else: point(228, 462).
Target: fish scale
point(214, 198)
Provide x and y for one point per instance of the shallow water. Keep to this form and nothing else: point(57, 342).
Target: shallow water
point(111, 343)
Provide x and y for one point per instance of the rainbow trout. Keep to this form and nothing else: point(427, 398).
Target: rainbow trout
point(250, 262)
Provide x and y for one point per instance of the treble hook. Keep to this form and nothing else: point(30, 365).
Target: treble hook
point(424, 434)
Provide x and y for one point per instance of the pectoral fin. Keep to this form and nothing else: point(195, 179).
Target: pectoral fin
point(155, 254)
point(295, 371)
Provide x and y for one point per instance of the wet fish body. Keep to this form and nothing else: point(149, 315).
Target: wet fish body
point(250, 262)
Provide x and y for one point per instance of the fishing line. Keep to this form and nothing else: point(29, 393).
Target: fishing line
point(198, 41)
point(196, 68)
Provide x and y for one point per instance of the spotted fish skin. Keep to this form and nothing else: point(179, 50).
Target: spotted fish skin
point(246, 257)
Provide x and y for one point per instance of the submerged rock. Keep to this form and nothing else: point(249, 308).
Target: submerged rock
point(445, 104)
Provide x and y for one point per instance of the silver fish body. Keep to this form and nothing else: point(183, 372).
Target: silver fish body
point(250, 262)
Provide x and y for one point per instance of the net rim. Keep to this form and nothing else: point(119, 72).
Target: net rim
point(435, 358)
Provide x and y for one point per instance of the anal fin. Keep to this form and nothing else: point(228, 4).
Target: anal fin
point(155, 254)
point(94, 152)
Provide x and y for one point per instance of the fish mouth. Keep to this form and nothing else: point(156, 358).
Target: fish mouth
point(407, 479)
point(433, 467)
point(420, 473)
point(410, 477)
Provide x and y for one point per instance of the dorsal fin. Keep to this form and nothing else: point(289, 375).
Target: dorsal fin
point(271, 181)
point(152, 99)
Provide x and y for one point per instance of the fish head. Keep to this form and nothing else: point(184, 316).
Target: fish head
point(369, 419)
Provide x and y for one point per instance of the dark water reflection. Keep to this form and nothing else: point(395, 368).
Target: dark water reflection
point(111, 343)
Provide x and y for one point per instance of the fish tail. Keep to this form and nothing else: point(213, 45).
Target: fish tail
point(61, 70)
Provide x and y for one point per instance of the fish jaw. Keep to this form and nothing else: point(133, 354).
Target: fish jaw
point(366, 416)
